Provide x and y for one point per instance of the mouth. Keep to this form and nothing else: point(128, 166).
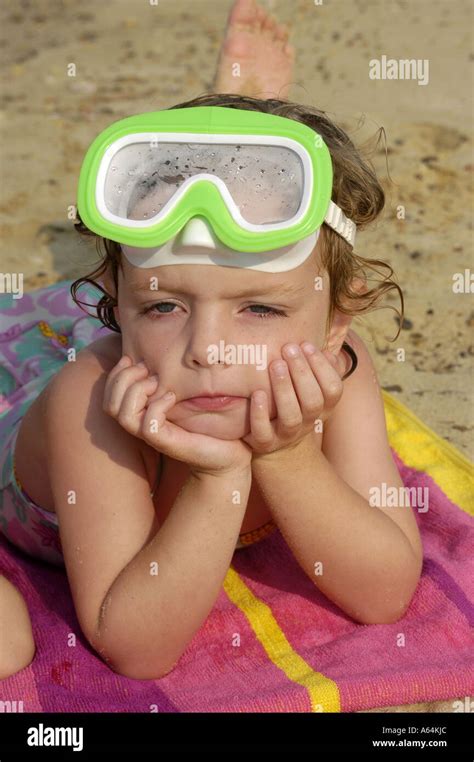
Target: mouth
point(215, 401)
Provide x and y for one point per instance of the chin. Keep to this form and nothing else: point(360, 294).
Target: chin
point(220, 425)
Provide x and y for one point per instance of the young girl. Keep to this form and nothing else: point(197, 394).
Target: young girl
point(151, 493)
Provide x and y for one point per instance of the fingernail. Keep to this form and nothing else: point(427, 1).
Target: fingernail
point(168, 395)
point(292, 350)
point(152, 378)
point(123, 361)
point(280, 368)
point(310, 349)
point(141, 364)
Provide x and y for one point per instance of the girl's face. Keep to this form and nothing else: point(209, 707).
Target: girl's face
point(249, 314)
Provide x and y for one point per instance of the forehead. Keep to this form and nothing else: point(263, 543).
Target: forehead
point(225, 281)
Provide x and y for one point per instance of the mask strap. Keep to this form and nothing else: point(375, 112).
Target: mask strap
point(337, 220)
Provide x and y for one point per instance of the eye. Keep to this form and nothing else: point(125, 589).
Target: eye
point(272, 312)
point(154, 311)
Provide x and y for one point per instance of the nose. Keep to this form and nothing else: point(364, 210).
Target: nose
point(207, 338)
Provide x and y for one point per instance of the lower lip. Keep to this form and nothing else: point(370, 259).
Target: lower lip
point(211, 403)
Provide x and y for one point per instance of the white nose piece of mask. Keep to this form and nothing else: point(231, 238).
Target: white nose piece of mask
point(196, 244)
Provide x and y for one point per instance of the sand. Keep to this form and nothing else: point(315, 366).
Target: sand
point(132, 57)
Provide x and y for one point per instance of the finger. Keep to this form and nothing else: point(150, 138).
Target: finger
point(305, 383)
point(338, 362)
point(261, 428)
point(173, 440)
point(134, 403)
point(154, 422)
point(117, 384)
point(327, 376)
point(288, 408)
point(124, 362)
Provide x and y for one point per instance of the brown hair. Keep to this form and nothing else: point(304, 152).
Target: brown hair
point(356, 190)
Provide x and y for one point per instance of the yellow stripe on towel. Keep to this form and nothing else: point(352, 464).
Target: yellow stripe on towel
point(421, 448)
point(323, 692)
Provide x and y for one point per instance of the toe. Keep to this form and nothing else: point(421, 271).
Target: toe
point(239, 45)
point(243, 12)
point(261, 16)
point(281, 32)
point(269, 25)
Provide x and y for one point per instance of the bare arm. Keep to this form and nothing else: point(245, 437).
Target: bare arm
point(354, 553)
point(367, 558)
point(136, 619)
point(163, 596)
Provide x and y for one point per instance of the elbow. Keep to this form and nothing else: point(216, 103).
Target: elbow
point(391, 605)
point(137, 668)
point(128, 653)
point(140, 671)
point(132, 662)
point(388, 614)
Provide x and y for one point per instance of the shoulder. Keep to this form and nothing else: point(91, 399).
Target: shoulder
point(361, 401)
point(357, 426)
point(356, 443)
point(78, 391)
point(365, 366)
point(89, 370)
point(103, 353)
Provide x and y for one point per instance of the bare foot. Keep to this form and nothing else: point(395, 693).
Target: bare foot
point(255, 57)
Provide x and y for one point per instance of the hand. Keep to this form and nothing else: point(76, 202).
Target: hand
point(127, 399)
point(308, 391)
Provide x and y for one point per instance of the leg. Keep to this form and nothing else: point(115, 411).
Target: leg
point(17, 647)
point(259, 46)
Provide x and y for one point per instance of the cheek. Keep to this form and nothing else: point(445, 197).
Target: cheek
point(140, 341)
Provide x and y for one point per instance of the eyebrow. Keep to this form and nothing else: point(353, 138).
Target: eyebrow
point(281, 290)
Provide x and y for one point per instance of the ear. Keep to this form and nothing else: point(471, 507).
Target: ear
point(341, 322)
point(337, 333)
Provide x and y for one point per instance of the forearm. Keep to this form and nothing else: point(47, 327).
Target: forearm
point(353, 552)
point(159, 601)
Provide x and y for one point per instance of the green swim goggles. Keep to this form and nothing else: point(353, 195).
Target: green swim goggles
point(261, 181)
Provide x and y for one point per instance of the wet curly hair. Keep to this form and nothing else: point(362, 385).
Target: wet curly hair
point(356, 190)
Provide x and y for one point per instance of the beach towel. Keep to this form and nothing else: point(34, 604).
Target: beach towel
point(272, 642)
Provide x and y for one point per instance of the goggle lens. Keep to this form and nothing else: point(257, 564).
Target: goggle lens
point(265, 182)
